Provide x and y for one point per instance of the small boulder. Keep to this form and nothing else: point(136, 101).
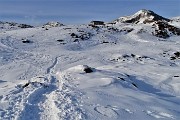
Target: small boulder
point(177, 54)
point(60, 40)
point(87, 69)
point(26, 41)
point(73, 35)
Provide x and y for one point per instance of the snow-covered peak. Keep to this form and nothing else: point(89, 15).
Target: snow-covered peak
point(144, 12)
point(142, 16)
point(53, 24)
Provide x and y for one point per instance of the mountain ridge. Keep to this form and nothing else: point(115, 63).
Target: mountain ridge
point(150, 16)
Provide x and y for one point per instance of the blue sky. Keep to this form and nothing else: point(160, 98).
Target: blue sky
point(80, 11)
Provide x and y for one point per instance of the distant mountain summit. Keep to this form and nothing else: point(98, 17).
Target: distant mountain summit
point(161, 27)
point(12, 26)
point(53, 24)
point(142, 16)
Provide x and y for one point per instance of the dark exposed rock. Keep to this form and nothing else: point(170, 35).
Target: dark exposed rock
point(13, 25)
point(97, 23)
point(177, 54)
point(76, 40)
point(113, 29)
point(25, 26)
point(85, 36)
point(164, 30)
point(82, 36)
point(121, 78)
point(73, 35)
point(27, 84)
point(105, 42)
point(94, 26)
point(87, 69)
point(26, 41)
point(134, 85)
point(126, 30)
point(126, 56)
point(130, 57)
point(35, 84)
point(60, 40)
point(173, 58)
point(133, 55)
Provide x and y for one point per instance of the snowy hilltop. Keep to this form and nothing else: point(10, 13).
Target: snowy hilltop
point(142, 16)
point(127, 69)
point(12, 26)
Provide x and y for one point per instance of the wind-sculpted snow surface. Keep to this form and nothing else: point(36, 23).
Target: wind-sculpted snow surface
point(114, 94)
point(90, 72)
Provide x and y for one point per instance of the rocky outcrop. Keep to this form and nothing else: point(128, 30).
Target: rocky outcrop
point(165, 30)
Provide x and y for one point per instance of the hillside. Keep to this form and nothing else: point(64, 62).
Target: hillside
point(118, 70)
point(4, 26)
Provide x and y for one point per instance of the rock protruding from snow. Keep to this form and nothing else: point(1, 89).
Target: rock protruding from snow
point(82, 69)
point(142, 16)
point(97, 23)
point(88, 69)
point(165, 30)
point(53, 24)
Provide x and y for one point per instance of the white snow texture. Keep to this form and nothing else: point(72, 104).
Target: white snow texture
point(115, 71)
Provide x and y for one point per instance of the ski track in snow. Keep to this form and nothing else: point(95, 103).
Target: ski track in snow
point(52, 66)
point(51, 102)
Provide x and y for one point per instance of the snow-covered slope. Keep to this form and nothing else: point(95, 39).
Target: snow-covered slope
point(175, 21)
point(4, 26)
point(116, 71)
